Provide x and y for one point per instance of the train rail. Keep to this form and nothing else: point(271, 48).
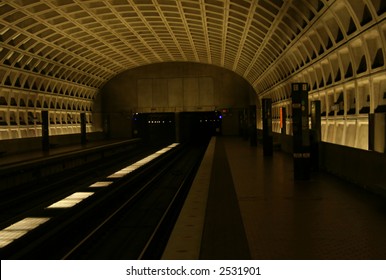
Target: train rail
point(36, 167)
point(128, 215)
point(16, 201)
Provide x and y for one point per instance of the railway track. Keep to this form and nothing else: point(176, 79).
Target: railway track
point(130, 218)
point(17, 201)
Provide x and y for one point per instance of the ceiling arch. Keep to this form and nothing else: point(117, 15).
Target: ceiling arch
point(89, 42)
point(57, 53)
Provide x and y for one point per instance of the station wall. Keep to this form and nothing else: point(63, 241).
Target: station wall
point(341, 57)
point(364, 168)
point(172, 87)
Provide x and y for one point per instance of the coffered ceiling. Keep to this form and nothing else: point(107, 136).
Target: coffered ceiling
point(84, 43)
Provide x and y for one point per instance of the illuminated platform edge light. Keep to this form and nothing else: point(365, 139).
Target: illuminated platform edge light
point(128, 169)
point(71, 200)
point(101, 184)
point(173, 145)
point(19, 229)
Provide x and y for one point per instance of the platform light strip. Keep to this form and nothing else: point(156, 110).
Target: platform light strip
point(164, 150)
point(123, 172)
point(71, 200)
point(19, 229)
point(173, 145)
point(101, 184)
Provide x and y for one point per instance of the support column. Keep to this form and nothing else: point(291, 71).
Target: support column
point(267, 127)
point(106, 126)
point(371, 132)
point(301, 139)
point(45, 132)
point(177, 127)
point(252, 125)
point(283, 121)
point(283, 128)
point(316, 133)
point(244, 123)
point(83, 137)
point(377, 132)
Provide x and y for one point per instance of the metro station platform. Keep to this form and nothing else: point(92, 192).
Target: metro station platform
point(38, 155)
point(18, 169)
point(243, 205)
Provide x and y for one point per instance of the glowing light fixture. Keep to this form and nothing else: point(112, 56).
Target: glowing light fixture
point(71, 200)
point(19, 229)
point(173, 145)
point(130, 168)
point(164, 150)
point(118, 174)
point(123, 172)
point(101, 184)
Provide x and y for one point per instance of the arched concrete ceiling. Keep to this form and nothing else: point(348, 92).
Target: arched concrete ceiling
point(72, 47)
point(89, 42)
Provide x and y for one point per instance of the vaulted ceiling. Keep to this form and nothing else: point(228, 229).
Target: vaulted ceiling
point(89, 42)
point(78, 45)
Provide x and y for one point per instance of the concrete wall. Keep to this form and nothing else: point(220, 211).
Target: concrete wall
point(172, 87)
point(364, 168)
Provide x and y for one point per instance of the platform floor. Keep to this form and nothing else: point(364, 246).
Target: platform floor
point(256, 210)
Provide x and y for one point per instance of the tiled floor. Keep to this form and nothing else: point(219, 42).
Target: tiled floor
point(223, 235)
point(323, 218)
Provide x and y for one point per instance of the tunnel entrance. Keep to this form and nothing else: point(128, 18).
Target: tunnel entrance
point(160, 128)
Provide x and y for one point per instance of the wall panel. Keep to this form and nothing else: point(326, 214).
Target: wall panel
point(160, 93)
point(175, 92)
point(145, 93)
point(191, 92)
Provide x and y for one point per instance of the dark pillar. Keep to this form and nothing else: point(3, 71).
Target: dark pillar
point(283, 127)
point(371, 131)
point(283, 120)
point(218, 122)
point(301, 138)
point(252, 125)
point(377, 132)
point(267, 127)
point(83, 137)
point(316, 134)
point(244, 124)
point(45, 131)
point(106, 126)
point(177, 127)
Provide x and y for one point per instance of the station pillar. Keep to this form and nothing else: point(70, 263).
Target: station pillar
point(45, 132)
point(316, 134)
point(83, 136)
point(301, 138)
point(177, 124)
point(107, 126)
point(267, 127)
point(252, 125)
point(283, 121)
point(244, 123)
point(377, 132)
